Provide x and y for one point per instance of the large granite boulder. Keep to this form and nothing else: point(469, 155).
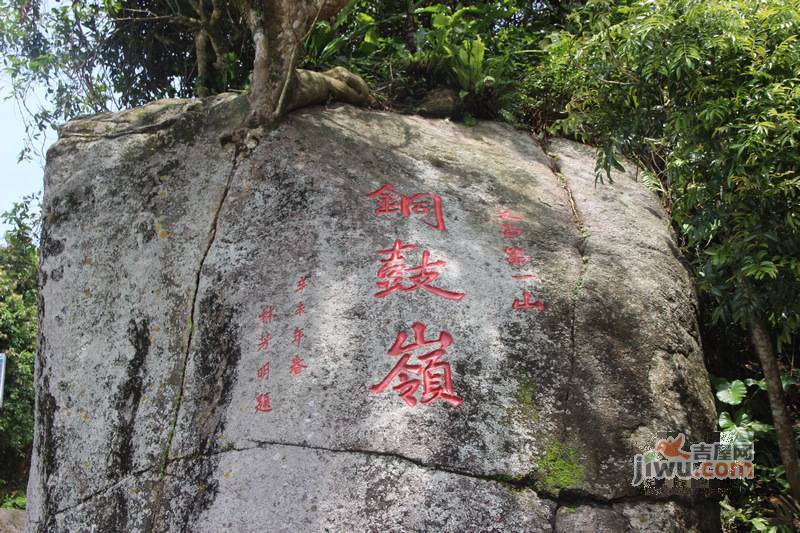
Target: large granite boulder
point(357, 321)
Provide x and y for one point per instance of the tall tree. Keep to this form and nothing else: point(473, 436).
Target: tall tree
point(704, 94)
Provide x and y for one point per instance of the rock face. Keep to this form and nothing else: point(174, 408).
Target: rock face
point(12, 521)
point(363, 322)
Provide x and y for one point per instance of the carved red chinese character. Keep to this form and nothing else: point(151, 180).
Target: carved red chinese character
point(510, 232)
point(266, 315)
point(505, 214)
point(302, 283)
point(428, 205)
point(263, 342)
point(297, 366)
point(387, 199)
point(300, 309)
point(298, 336)
point(262, 403)
point(395, 272)
point(516, 256)
point(263, 372)
point(437, 381)
point(527, 304)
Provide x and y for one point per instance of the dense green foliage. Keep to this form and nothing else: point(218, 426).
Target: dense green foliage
point(18, 327)
point(704, 95)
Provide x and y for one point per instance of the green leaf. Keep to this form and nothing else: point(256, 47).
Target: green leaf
point(731, 393)
point(760, 383)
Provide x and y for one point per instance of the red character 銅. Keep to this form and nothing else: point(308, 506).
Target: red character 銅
point(389, 201)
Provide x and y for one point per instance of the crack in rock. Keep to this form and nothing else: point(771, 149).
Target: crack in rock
point(193, 311)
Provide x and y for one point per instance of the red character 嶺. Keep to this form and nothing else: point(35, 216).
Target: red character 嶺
point(510, 232)
point(395, 272)
point(437, 381)
point(297, 366)
point(516, 256)
point(266, 315)
point(527, 304)
point(263, 372)
point(262, 403)
point(263, 342)
point(300, 309)
point(389, 201)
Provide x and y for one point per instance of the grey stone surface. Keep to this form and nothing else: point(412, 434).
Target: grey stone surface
point(163, 246)
point(12, 521)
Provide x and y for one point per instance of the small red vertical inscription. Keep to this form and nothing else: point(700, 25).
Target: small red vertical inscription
point(437, 381)
point(516, 256)
point(428, 206)
point(505, 214)
point(263, 372)
point(297, 366)
point(526, 302)
point(262, 403)
point(510, 232)
point(298, 336)
point(266, 315)
point(300, 309)
point(302, 283)
point(263, 342)
point(395, 272)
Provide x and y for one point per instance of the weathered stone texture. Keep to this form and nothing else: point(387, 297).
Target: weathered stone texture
point(162, 246)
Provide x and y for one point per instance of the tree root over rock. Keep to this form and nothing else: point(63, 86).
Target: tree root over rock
point(308, 88)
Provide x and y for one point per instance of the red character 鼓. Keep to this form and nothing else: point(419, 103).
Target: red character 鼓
point(389, 201)
point(510, 232)
point(437, 381)
point(265, 316)
point(300, 309)
point(262, 403)
point(516, 256)
point(263, 372)
point(394, 271)
point(527, 304)
point(298, 336)
point(297, 366)
point(263, 342)
point(505, 214)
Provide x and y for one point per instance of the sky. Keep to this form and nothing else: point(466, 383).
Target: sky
point(16, 179)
